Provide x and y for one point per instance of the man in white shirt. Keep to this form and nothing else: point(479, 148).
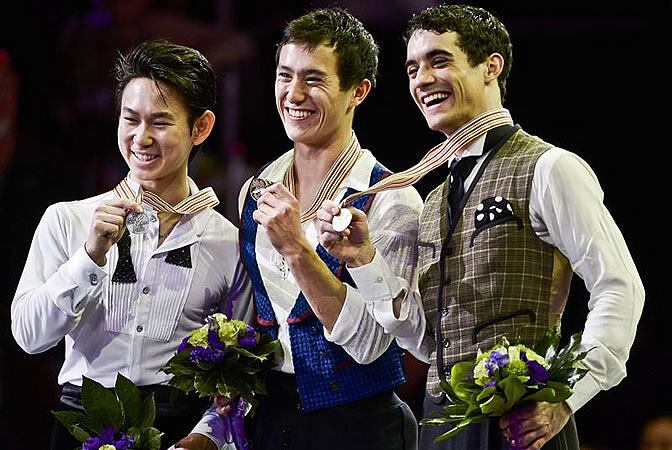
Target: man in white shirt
point(123, 294)
point(334, 384)
point(499, 240)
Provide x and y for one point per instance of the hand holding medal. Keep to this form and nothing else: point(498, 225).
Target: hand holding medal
point(108, 225)
point(344, 233)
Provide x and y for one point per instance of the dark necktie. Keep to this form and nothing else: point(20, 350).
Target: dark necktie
point(459, 171)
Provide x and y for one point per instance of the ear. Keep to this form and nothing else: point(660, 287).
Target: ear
point(202, 127)
point(494, 65)
point(360, 92)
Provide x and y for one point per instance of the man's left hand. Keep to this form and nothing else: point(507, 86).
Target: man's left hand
point(195, 441)
point(531, 425)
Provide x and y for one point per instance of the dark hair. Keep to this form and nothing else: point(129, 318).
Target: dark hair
point(184, 69)
point(480, 33)
point(355, 49)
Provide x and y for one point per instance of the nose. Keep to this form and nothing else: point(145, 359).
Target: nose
point(142, 136)
point(296, 93)
point(424, 75)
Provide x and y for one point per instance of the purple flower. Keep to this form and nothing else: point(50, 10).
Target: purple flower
point(490, 384)
point(249, 340)
point(206, 355)
point(213, 340)
point(496, 361)
point(107, 437)
point(184, 344)
point(538, 373)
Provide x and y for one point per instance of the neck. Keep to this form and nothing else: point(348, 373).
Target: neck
point(312, 162)
point(172, 190)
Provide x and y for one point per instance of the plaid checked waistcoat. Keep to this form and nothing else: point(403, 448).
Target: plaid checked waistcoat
point(481, 281)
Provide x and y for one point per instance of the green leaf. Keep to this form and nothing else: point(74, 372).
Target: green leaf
point(152, 439)
point(101, 405)
point(485, 393)
point(80, 434)
point(544, 395)
point(68, 418)
point(147, 412)
point(494, 406)
point(129, 396)
point(513, 391)
point(206, 383)
point(462, 382)
point(547, 344)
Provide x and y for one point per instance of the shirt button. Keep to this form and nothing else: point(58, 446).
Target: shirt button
point(145, 290)
point(333, 386)
point(93, 278)
point(447, 281)
point(139, 328)
point(379, 279)
point(444, 312)
point(446, 343)
point(323, 353)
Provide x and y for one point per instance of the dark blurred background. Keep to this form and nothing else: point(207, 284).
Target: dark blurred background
point(590, 77)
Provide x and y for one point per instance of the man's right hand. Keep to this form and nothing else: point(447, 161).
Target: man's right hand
point(108, 226)
point(352, 245)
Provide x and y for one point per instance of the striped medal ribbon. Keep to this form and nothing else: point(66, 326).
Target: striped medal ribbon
point(434, 158)
point(139, 222)
point(338, 171)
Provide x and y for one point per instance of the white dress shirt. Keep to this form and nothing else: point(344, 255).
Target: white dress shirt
point(366, 322)
point(134, 328)
point(567, 212)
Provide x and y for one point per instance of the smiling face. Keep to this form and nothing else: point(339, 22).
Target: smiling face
point(314, 110)
point(154, 133)
point(446, 88)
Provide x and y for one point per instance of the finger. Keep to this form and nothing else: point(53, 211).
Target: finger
point(123, 203)
point(324, 215)
point(105, 229)
point(110, 209)
point(538, 444)
point(270, 199)
point(327, 239)
point(528, 439)
point(280, 191)
point(260, 218)
point(519, 428)
point(110, 218)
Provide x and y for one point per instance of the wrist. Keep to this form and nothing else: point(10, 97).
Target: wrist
point(364, 257)
point(100, 260)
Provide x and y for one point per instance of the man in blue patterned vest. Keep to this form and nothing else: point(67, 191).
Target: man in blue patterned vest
point(499, 240)
point(333, 387)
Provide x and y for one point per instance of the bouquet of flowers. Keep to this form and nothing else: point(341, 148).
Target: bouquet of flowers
point(224, 357)
point(119, 420)
point(506, 375)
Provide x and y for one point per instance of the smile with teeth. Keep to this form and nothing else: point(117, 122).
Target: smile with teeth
point(144, 157)
point(433, 99)
point(299, 113)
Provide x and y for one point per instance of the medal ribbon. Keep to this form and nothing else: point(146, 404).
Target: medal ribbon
point(203, 199)
point(338, 171)
point(441, 153)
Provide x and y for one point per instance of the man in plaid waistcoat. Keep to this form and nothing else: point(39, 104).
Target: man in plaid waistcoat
point(499, 240)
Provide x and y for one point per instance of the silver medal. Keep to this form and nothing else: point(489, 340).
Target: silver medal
point(342, 221)
point(137, 222)
point(257, 187)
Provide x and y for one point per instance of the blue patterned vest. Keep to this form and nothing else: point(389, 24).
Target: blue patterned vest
point(325, 374)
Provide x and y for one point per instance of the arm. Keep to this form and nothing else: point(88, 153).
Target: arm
point(384, 266)
point(55, 284)
point(567, 211)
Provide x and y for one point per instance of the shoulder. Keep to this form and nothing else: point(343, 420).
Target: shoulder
point(73, 210)
point(220, 227)
point(559, 164)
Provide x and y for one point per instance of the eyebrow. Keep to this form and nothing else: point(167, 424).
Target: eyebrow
point(307, 72)
point(156, 115)
point(431, 54)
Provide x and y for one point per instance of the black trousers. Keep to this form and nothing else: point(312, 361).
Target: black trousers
point(381, 422)
point(485, 435)
point(174, 420)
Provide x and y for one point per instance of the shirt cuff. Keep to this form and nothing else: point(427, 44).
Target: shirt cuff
point(213, 427)
point(351, 313)
point(379, 285)
point(584, 390)
point(83, 276)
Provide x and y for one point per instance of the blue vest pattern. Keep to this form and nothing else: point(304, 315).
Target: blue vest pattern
point(326, 375)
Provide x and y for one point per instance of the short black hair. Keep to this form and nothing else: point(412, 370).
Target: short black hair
point(355, 49)
point(480, 33)
point(182, 68)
